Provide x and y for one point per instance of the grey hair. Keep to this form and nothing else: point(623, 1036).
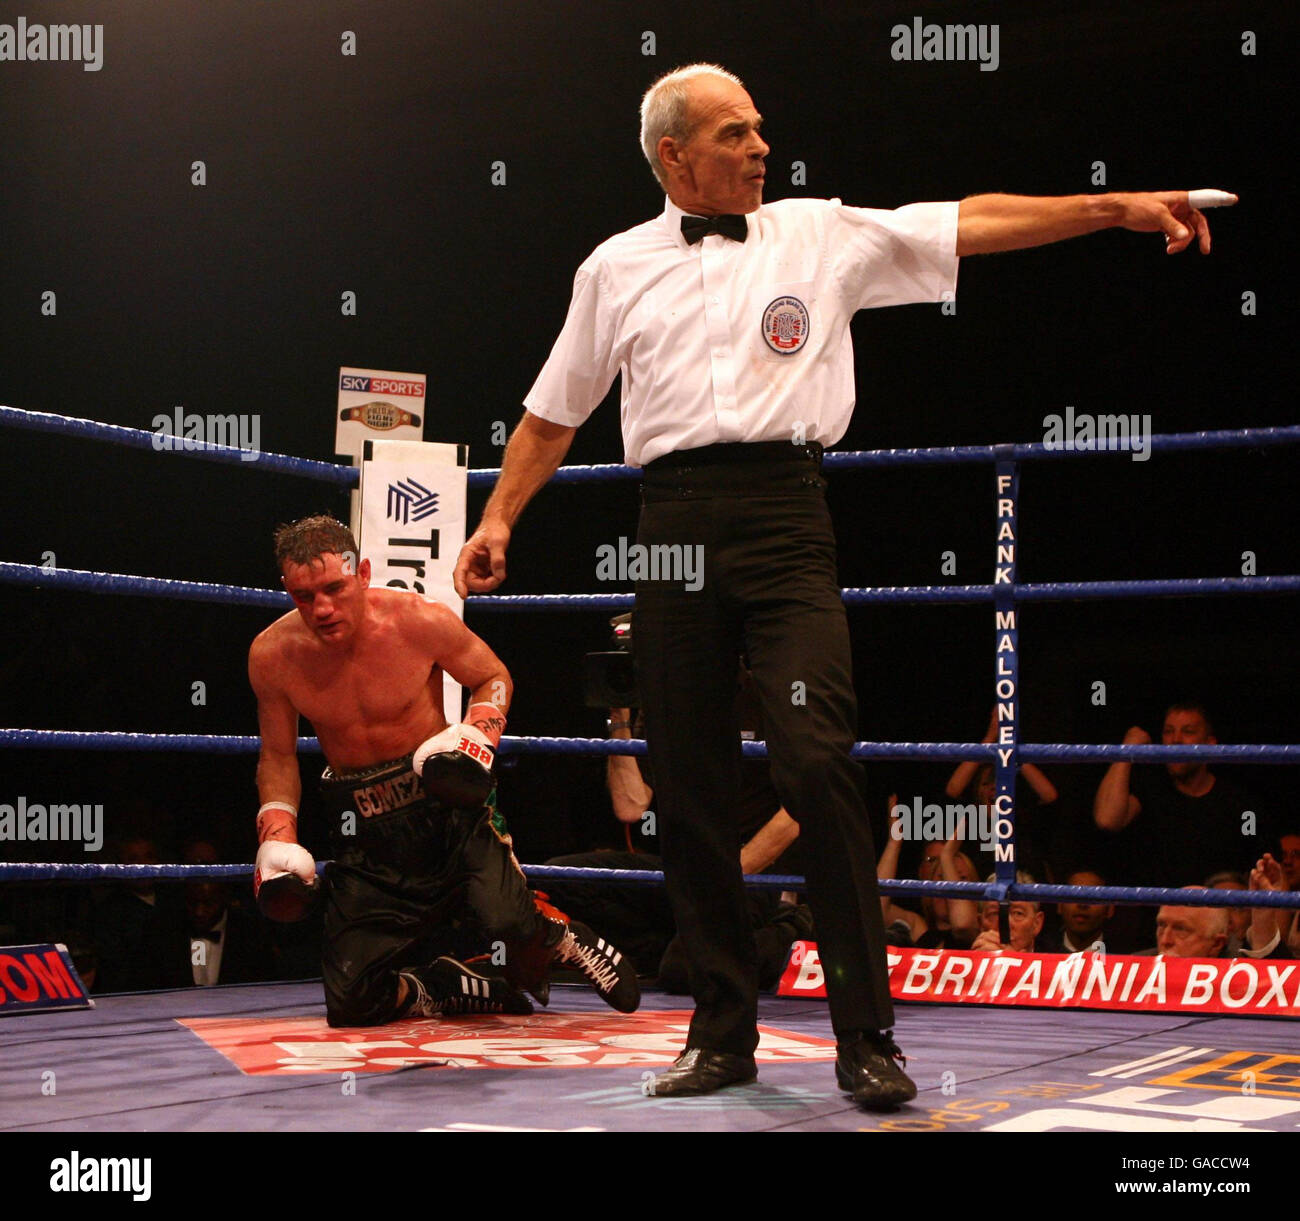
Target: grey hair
point(663, 109)
point(1222, 925)
point(1024, 878)
point(1226, 875)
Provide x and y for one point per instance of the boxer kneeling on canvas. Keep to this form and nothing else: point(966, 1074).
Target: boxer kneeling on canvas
point(415, 841)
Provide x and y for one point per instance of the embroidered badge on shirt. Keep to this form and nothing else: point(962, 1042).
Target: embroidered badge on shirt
point(785, 325)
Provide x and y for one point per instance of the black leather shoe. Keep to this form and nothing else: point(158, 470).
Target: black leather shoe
point(865, 1067)
point(697, 1071)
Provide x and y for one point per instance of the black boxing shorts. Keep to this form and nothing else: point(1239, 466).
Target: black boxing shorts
point(372, 793)
point(404, 869)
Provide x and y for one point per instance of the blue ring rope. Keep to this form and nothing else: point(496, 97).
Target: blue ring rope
point(948, 455)
point(349, 476)
point(1144, 896)
point(141, 438)
point(1043, 591)
point(37, 577)
point(1054, 752)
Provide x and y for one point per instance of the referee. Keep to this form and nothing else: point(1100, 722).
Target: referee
point(729, 322)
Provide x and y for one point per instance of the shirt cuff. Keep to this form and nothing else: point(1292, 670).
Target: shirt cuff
point(552, 414)
point(948, 244)
point(1266, 951)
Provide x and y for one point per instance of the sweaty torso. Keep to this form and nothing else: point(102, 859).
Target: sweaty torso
point(377, 701)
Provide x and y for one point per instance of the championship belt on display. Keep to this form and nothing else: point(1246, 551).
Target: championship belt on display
point(380, 415)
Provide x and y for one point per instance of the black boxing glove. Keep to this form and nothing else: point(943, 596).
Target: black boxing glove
point(456, 766)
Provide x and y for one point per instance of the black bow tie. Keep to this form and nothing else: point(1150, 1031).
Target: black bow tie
point(212, 935)
point(695, 227)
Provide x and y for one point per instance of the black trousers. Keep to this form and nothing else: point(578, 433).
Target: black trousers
point(394, 889)
point(758, 513)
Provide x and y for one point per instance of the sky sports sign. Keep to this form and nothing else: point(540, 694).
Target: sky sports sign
point(381, 385)
point(377, 404)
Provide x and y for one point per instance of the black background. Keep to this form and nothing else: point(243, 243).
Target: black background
point(372, 174)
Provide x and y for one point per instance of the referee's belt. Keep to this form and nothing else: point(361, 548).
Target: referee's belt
point(747, 470)
point(742, 453)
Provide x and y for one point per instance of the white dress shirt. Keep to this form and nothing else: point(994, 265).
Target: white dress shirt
point(739, 341)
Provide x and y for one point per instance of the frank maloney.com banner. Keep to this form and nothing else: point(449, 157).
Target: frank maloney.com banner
point(1247, 986)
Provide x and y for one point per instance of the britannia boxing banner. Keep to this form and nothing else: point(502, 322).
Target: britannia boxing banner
point(411, 524)
point(1245, 986)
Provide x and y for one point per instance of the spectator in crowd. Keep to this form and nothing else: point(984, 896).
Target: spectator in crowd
point(227, 944)
point(1289, 857)
point(976, 782)
point(1238, 917)
point(1024, 923)
point(1205, 932)
point(1178, 821)
point(637, 918)
point(140, 940)
point(936, 927)
point(1083, 923)
point(251, 948)
point(1192, 932)
point(1266, 937)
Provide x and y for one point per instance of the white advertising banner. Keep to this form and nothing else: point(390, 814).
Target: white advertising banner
point(412, 524)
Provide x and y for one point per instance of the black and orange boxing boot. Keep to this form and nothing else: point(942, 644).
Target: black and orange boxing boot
point(604, 967)
point(527, 964)
point(571, 943)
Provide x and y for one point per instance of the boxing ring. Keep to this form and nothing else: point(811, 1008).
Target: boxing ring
point(260, 1057)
